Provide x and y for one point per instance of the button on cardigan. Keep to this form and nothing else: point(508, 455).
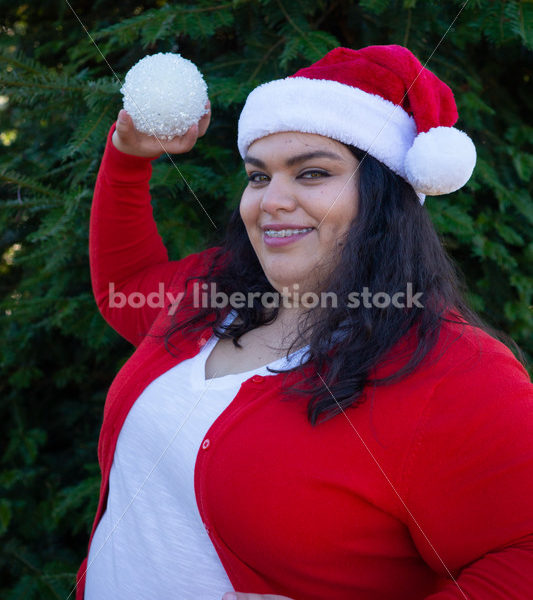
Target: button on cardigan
point(421, 492)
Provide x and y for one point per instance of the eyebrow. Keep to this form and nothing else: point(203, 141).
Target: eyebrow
point(294, 160)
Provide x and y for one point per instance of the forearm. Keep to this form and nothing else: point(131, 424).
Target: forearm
point(126, 252)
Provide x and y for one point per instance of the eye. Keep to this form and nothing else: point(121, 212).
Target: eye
point(314, 174)
point(257, 177)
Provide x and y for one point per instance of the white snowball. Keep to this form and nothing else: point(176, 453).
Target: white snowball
point(164, 94)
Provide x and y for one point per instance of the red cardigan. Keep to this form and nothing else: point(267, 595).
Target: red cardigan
point(422, 492)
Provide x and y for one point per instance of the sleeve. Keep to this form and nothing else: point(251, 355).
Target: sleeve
point(132, 277)
point(470, 481)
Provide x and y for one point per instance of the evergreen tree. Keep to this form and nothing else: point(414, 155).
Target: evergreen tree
point(58, 98)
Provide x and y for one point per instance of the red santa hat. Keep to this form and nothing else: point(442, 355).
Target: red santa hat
point(379, 99)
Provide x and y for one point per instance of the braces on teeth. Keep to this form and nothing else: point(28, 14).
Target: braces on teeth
point(286, 232)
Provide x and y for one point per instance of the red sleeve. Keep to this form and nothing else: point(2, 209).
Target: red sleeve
point(470, 480)
point(131, 274)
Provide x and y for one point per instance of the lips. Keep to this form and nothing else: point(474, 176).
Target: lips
point(282, 226)
point(281, 235)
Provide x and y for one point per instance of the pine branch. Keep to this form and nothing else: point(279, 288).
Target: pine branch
point(92, 128)
point(32, 202)
point(157, 23)
point(24, 181)
point(21, 61)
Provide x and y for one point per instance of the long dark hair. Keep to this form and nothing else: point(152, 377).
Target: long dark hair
point(390, 244)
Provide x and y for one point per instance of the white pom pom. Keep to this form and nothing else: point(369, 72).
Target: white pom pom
point(440, 161)
point(164, 94)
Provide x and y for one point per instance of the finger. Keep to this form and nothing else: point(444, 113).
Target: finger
point(185, 142)
point(124, 125)
point(122, 134)
point(203, 124)
point(189, 139)
point(123, 115)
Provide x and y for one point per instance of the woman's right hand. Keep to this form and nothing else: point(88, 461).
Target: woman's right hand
point(129, 140)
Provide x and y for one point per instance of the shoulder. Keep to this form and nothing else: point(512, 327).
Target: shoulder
point(466, 353)
point(466, 372)
point(461, 352)
point(476, 388)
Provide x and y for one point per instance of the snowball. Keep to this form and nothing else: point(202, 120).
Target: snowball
point(164, 94)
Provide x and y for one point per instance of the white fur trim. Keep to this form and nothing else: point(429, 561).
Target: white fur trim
point(331, 109)
point(440, 161)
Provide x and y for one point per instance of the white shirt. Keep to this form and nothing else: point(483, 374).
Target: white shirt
point(151, 543)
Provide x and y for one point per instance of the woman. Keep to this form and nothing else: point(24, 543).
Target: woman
point(374, 446)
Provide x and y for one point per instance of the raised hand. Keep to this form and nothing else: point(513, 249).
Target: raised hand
point(129, 140)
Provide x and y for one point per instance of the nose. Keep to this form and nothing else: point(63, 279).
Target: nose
point(278, 195)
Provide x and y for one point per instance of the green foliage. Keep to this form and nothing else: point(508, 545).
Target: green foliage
point(58, 98)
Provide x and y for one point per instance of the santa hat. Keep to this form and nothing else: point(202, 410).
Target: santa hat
point(379, 99)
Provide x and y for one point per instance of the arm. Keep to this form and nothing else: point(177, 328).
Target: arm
point(470, 481)
point(127, 255)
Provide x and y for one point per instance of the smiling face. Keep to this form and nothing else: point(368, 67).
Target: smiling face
point(299, 203)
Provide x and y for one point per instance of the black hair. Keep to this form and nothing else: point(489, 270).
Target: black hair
point(391, 243)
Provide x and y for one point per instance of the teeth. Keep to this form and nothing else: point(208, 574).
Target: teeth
point(286, 232)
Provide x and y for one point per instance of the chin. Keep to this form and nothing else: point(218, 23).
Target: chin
point(282, 276)
point(287, 285)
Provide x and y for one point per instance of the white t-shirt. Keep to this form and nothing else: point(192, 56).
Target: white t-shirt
point(151, 543)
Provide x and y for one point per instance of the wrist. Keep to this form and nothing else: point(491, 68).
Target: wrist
point(122, 167)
